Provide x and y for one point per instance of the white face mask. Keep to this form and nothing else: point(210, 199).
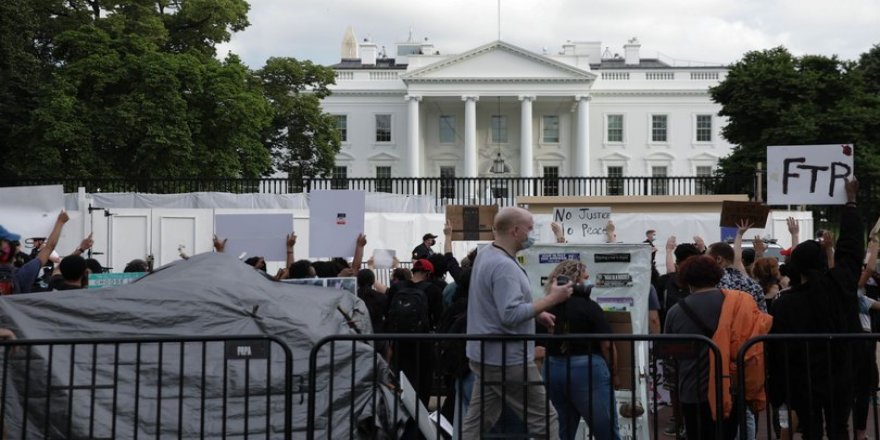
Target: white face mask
point(531, 238)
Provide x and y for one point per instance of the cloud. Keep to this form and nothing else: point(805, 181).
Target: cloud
point(718, 31)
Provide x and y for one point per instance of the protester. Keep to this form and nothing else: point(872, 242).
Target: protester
point(74, 273)
point(424, 250)
point(21, 280)
point(735, 277)
point(376, 302)
point(814, 378)
point(501, 303)
point(866, 377)
point(137, 265)
point(580, 375)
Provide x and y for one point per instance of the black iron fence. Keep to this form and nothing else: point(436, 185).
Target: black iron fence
point(166, 387)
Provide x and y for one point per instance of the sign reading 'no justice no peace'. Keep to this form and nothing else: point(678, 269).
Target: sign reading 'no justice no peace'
point(808, 174)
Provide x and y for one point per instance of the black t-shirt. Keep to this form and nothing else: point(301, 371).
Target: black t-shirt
point(578, 315)
point(421, 251)
point(376, 304)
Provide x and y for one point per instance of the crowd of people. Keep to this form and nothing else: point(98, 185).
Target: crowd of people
point(721, 291)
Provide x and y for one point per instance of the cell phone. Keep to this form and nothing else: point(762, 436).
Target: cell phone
point(561, 280)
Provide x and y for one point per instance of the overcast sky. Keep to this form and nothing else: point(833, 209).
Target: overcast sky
point(713, 31)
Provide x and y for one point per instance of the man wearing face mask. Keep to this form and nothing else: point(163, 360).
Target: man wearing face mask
point(500, 302)
point(423, 251)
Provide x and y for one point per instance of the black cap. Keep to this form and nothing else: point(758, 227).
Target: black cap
point(427, 236)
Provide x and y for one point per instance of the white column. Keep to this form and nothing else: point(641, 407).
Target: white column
point(582, 142)
point(470, 135)
point(525, 149)
point(413, 164)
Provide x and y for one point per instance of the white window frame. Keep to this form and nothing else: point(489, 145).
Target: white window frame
point(605, 126)
point(376, 128)
point(544, 141)
point(506, 129)
point(651, 140)
point(694, 127)
point(345, 141)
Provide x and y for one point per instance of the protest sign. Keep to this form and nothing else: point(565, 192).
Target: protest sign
point(383, 258)
point(471, 222)
point(101, 280)
point(733, 212)
point(256, 235)
point(336, 218)
point(583, 225)
point(808, 174)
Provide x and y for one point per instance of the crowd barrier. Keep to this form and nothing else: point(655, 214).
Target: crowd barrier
point(129, 388)
point(243, 386)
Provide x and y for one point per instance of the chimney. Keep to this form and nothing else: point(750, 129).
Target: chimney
point(369, 52)
point(631, 50)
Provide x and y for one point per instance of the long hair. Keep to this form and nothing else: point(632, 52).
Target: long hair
point(807, 272)
point(570, 268)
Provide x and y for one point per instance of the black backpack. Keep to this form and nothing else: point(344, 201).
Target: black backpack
point(8, 284)
point(408, 312)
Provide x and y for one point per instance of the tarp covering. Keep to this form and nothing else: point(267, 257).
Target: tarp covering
point(375, 202)
point(208, 295)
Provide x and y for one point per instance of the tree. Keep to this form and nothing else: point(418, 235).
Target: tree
point(771, 97)
point(303, 140)
point(132, 88)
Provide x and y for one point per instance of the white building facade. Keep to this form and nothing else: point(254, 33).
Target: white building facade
point(574, 113)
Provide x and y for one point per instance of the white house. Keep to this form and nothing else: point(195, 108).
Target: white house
point(421, 113)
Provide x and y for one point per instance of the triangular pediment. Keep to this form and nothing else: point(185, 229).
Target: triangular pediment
point(498, 61)
point(383, 157)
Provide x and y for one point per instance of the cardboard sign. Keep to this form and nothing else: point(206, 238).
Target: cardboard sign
point(734, 212)
point(808, 174)
point(336, 218)
point(583, 225)
point(471, 223)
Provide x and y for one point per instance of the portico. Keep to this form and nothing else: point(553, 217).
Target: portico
point(460, 111)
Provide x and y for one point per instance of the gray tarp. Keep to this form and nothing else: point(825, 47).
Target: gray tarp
point(208, 295)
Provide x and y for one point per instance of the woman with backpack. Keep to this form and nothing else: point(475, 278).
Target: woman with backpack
point(579, 374)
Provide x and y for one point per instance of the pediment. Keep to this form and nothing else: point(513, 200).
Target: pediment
point(704, 157)
point(660, 156)
point(383, 157)
point(498, 61)
point(615, 157)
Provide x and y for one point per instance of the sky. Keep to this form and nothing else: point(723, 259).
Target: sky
point(688, 31)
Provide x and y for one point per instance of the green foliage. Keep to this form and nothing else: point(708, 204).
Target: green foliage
point(771, 97)
point(132, 88)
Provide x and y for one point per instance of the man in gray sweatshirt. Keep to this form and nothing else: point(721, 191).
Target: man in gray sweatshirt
point(500, 302)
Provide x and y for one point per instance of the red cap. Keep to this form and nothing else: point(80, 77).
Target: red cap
point(423, 265)
point(786, 252)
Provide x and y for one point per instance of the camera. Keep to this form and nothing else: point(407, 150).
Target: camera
point(562, 280)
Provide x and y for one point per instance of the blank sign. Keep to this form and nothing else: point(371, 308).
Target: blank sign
point(259, 235)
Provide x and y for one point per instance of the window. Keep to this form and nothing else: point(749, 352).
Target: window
point(499, 129)
point(447, 182)
point(383, 128)
point(659, 127)
point(342, 126)
point(703, 180)
point(550, 134)
point(660, 184)
point(615, 180)
point(339, 179)
point(383, 179)
point(447, 129)
point(551, 181)
point(615, 128)
point(704, 128)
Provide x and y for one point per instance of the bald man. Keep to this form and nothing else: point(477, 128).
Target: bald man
point(500, 302)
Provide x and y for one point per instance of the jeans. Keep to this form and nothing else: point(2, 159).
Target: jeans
point(580, 386)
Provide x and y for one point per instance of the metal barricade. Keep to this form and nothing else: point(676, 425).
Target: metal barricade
point(156, 387)
point(826, 382)
point(421, 402)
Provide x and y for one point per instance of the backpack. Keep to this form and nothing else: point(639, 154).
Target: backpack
point(408, 312)
point(8, 284)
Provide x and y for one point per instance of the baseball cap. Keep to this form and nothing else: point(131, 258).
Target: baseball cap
point(423, 265)
point(6, 235)
point(786, 252)
point(427, 236)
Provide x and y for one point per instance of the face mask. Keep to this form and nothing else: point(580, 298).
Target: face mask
point(530, 239)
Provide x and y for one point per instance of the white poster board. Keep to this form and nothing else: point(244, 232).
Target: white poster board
point(583, 225)
point(256, 235)
point(808, 174)
point(336, 219)
point(31, 211)
point(383, 258)
point(625, 274)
